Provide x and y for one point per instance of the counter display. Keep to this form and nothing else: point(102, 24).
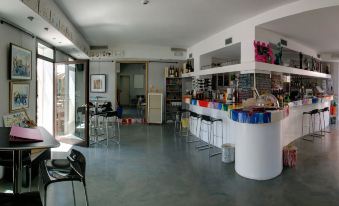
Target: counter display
point(259, 142)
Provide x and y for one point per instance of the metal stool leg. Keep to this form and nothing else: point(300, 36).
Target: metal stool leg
point(309, 129)
point(325, 123)
point(216, 135)
point(194, 128)
point(206, 145)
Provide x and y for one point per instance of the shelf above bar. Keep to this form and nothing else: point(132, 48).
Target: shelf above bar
point(258, 67)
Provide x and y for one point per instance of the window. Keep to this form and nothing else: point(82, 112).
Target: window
point(45, 51)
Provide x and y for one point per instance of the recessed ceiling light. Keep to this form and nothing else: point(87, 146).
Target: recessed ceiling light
point(46, 28)
point(30, 18)
point(145, 2)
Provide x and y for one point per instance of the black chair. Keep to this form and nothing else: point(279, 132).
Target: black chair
point(6, 160)
point(60, 170)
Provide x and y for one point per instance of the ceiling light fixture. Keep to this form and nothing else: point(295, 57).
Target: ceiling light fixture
point(145, 2)
point(30, 18)
point(46, 28)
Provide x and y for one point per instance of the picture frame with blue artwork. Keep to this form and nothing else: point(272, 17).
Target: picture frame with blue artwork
point(20, 63)
point(18, 96)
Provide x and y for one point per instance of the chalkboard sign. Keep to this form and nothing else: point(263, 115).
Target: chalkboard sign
point(246, 82)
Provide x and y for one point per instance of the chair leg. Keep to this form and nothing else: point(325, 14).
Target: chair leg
point(118, 130)
point(73, 194)
point(85, 193)
point(107, 132)
point(29, 179)
point(45, 196)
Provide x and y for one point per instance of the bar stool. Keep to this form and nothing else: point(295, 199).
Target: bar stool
point(215, 134)
point(312, 114)
point(111, 120)
point(322, 111)
point(205, 121)
point(193, 126)
point(177, 122)
point(184, 122)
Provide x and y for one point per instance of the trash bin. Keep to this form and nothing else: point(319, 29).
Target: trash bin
point(228, 153)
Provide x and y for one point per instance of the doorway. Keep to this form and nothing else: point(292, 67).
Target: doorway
point(44, 94)
point(132, 89)
point(124, 94)
point(71, 102)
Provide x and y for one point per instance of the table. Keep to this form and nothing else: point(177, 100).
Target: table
point(17, 148)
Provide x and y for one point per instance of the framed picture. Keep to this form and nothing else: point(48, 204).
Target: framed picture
point(19, 118)
point(98, 83)
point(20, 63)
point(18, 96)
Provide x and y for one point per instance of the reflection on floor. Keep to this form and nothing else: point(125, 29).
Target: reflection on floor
point(131, 112)
point(70, 139)
point(152, 166)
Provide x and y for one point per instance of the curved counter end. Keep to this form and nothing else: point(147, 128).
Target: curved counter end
point(258, 153)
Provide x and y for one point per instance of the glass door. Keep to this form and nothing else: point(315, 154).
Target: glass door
point(71, 102)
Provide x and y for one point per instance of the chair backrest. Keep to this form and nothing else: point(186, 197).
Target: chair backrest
point(77, 162)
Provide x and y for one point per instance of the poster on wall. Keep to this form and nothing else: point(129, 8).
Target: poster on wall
point(21, 63)
point(98, 83)
point(18, 95)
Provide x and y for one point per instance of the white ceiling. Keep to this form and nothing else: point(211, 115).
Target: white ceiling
point(318, 29)
point(174, 23)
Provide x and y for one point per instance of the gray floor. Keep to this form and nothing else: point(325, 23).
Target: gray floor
point(153, 167)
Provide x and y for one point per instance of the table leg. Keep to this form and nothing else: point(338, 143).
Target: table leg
point(17, 171)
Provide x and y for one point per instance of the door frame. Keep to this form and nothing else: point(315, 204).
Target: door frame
point(146, 80)
point(86, 80)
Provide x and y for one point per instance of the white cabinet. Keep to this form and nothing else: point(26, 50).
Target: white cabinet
point(155, 108)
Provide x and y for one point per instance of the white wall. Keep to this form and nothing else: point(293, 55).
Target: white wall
point(11, 35)
point(244, 32)
point(144, 52)
point(109, 69)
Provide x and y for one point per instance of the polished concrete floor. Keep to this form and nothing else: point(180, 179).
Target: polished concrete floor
point(154, 167)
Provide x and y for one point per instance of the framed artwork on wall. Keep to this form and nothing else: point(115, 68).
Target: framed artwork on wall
point(98, 83)
point(20, 63)
point(19, 118)
point(18, 96)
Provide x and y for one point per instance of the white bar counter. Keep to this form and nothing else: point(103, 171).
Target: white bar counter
point(258, 147)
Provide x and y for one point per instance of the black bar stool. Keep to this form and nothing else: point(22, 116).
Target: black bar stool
point(215, 134)
point(207, 121)
point(193, 124)
point(111, 120)
point(312, 115)
point(322, 111)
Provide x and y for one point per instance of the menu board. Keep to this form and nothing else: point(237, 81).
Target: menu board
point(246, 83)
point(263, 83)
